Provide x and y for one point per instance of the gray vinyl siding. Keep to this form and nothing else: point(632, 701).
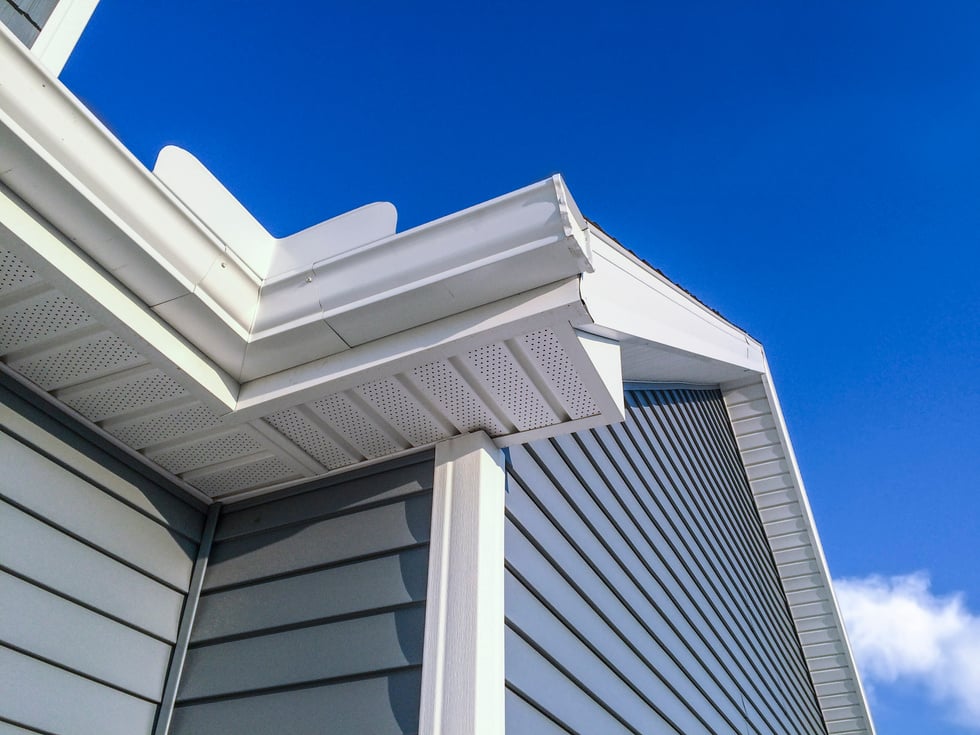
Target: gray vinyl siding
point(26, 18)
point(641, 595)
point(95, 561)
point(312, 614)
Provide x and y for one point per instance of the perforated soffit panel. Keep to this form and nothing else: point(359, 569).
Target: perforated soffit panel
point(508, 387)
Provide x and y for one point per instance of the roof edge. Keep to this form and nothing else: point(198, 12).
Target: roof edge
point(629, 300)
point(63, 163)
point(774, 473)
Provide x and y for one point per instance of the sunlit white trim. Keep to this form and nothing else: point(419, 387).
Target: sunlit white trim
point(629, 300)
point(248, 318)
point(64, 267)
point(61, 32)
point(777, 485)
point(463, 656)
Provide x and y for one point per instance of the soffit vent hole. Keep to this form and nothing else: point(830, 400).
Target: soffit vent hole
point(211, 451)
point(354, 426)
point(301, 431)
point(101, 355)
point(551, 357)
point(166, 426)
point(510, 386)
point(140, 391)
point(393, 402)
point(15, 273)
point(39, 318)
point(450, 392)
point(245, 477)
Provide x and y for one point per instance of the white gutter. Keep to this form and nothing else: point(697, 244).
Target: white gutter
point(60, 159)
point(258, 308)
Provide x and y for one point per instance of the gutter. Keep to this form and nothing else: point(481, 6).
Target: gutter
point(242, 311)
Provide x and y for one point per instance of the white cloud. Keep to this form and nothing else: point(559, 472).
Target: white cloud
point(900, 631)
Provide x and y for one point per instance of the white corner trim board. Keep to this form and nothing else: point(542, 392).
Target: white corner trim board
point(781, 498)
point(61, 32)
point(463, 658)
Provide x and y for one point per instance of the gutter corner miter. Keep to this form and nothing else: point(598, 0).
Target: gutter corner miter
point(371, 289)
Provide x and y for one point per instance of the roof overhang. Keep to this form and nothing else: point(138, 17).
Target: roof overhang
point(157, 308)
point(666, 335)
point(255, 305)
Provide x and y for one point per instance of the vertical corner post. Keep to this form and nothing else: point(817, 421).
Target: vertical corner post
point(463, 659)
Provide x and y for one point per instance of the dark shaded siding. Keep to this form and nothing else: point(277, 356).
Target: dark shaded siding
point(26, 18)
point(95, 561)
point(641, 593)
point(312, 613)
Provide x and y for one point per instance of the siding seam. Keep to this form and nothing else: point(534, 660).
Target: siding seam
point(310, 684)
point(76, 672)
point(91, 544)
point(88, 606)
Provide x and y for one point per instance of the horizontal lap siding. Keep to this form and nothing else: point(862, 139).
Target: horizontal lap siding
point(26, 18)
point(641, 594)
point(95, 560)
point(312, 613)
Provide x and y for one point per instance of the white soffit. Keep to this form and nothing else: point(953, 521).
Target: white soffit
point(513, 369)
point(781, 499)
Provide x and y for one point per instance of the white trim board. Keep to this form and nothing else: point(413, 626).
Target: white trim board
point(61, 32)
point(463, 657)
point(777, 486)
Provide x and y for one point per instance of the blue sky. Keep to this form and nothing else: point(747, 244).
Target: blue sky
point(811, 172)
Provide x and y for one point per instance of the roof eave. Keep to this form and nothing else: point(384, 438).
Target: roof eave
point(675, 337)
point(64, 164)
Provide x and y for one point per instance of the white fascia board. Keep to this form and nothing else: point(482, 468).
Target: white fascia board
point(556, 305)
point(61, 32)
point(628, 300)
point(759, 393)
